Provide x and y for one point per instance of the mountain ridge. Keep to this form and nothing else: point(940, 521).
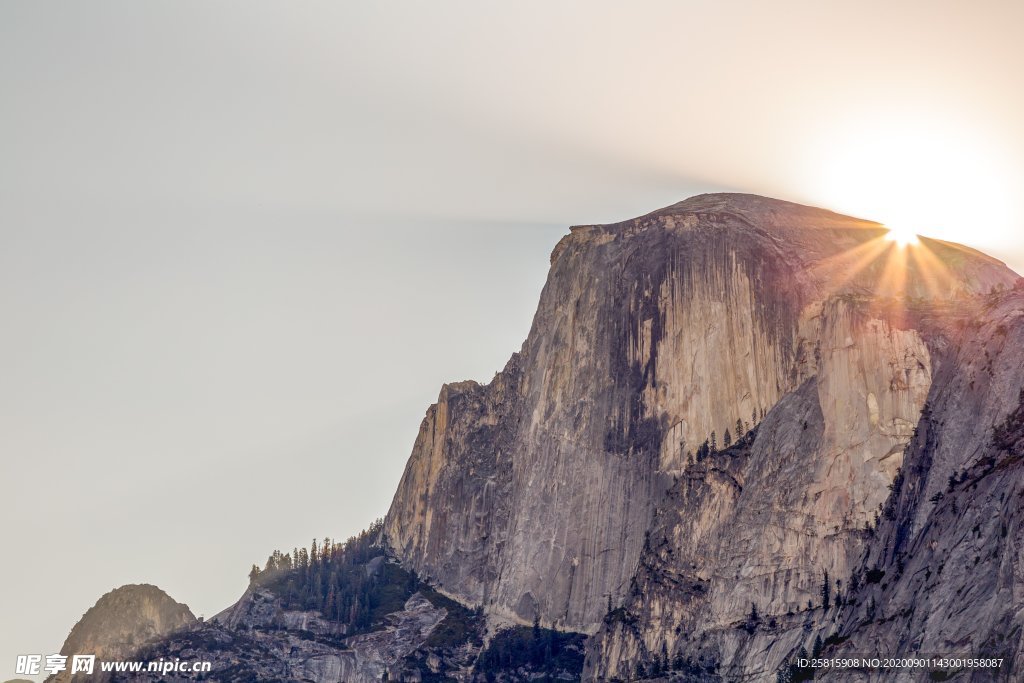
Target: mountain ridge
point(122, 620)
point(709, 250)
point(712, 441)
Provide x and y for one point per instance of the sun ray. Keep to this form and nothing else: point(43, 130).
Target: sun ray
point(893, 281)
point(932, 271)
point(898, 265)
point(842, 268)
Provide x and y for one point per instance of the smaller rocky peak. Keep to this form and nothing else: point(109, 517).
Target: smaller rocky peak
point(123, 620)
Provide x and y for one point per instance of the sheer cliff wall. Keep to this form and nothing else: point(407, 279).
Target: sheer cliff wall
point(533, 495)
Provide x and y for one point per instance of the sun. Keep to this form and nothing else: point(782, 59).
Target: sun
point(917, 172)
point(903, 237)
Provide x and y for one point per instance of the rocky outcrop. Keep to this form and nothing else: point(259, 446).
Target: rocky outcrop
point(531, 495)
point(943, 573)
point(653, 338)
point(264, 641)
point(122, 621)
point(739, 429)
point(429, 637)
point(936, 571)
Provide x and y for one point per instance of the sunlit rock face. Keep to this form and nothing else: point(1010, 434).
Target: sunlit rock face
point(120, 622)
point(325, 655)
point(533, 495)
point(947, 554)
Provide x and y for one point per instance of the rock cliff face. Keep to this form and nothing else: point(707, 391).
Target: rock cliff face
point(945, 567)
point(415, 635)
point(259, 639)
point(739, 429)
point(591, 471)
point(123, 620)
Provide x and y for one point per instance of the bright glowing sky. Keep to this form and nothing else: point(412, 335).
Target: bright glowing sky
point(242, 244)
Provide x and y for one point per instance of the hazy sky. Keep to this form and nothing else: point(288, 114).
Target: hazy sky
point(242, 244)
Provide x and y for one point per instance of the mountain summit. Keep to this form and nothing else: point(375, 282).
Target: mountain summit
point(119, 622)
point(739, 430)
point(711, 410)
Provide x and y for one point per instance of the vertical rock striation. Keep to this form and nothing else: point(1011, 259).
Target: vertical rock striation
point(533, 495)
point(944, 566)
point(739, 429)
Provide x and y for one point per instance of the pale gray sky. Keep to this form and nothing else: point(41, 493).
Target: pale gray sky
point(242, 244)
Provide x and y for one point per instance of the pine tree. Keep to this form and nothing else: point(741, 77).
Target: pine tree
point(330, 606)
point(740, 431)
point(714, 443)
point(536, 645)
point(656, 668)
point(727, 438)
point(826, 592)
